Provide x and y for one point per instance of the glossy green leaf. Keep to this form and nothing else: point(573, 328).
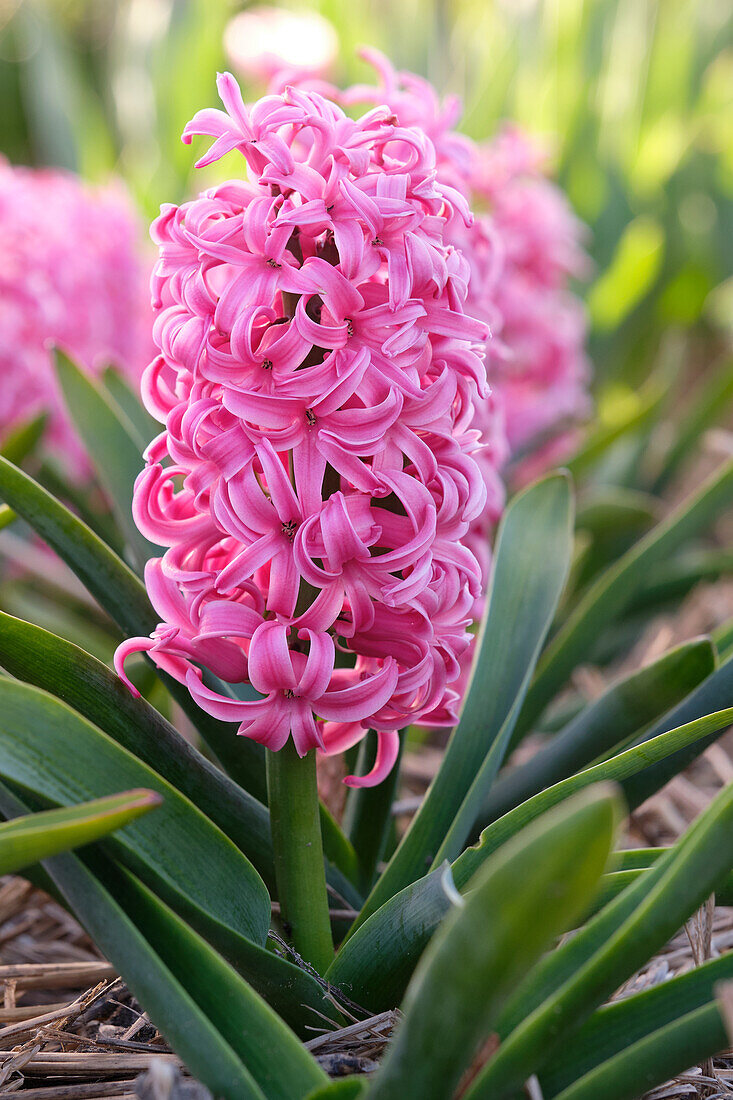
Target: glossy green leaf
point(51, 750)
point(277, 1060)
point(616, 769)
point(578, 976)
point(23, 440)
point(609, 597)
point(490, 941)
point(112, 583)
point(374, 965)
point(537, 526)
point(130, 403)
point(171, 1008)
point(348, 1088)
point(27, 840)
point(112, 444)
point(713, 694)
point(624, 1023)
point(84, 683)
point(624, 709)
point(656, 1058)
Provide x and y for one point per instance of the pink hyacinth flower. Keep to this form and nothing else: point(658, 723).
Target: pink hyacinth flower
point(318, 474)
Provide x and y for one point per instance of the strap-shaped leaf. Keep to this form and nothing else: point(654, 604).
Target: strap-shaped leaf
point(537, 527)
point(51, 750)
point(616, 769)
point(714, 693)
point(624, 709)
point(182, 855)
point(654, 1059)
point(172, 1009)
point(625, 1022)
point(374, 965)
point(112, 444)
point(112, 583)
point(29, 839)
point(577, 977)
point(348, 1088)
point(129, 403)
point(23, 440)
point(38, 657)
point(610, 596)
point(490, 942)
point(277, 1060)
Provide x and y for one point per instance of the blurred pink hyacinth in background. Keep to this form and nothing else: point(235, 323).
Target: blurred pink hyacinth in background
point(317, 476)
point(74, 272)
point(263, 41)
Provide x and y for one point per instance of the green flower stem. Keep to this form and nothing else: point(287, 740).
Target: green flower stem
point(298, 849)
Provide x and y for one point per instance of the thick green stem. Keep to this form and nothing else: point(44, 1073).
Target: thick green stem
point(298, 849)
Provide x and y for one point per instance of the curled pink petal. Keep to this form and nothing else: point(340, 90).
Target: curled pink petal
point(388, 748)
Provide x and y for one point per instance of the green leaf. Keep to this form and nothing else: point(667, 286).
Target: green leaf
point(184, 856)
point(609, 597)
point(277, 1060)
point(624, 1023)
point(708, 406)
point(49, 749)
point(713, 694)
point(348, 1088)
point(374, 965)
point(112, 444)
point(685, 1041)
point(170, 1007)
point(130, 404)
point(27, 840)
point(616, 769)
point(635, 415)
point(578, 976)
point(623, 710)
point(490, 942)
point(23, 440)
point(112, 583)
point(84, 683)
point(674, 579)
point(7, 516)
point(536, 526)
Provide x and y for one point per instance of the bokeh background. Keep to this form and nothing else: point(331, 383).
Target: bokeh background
point(634, 99)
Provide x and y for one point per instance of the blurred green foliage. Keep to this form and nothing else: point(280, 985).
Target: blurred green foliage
point(633, 97)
